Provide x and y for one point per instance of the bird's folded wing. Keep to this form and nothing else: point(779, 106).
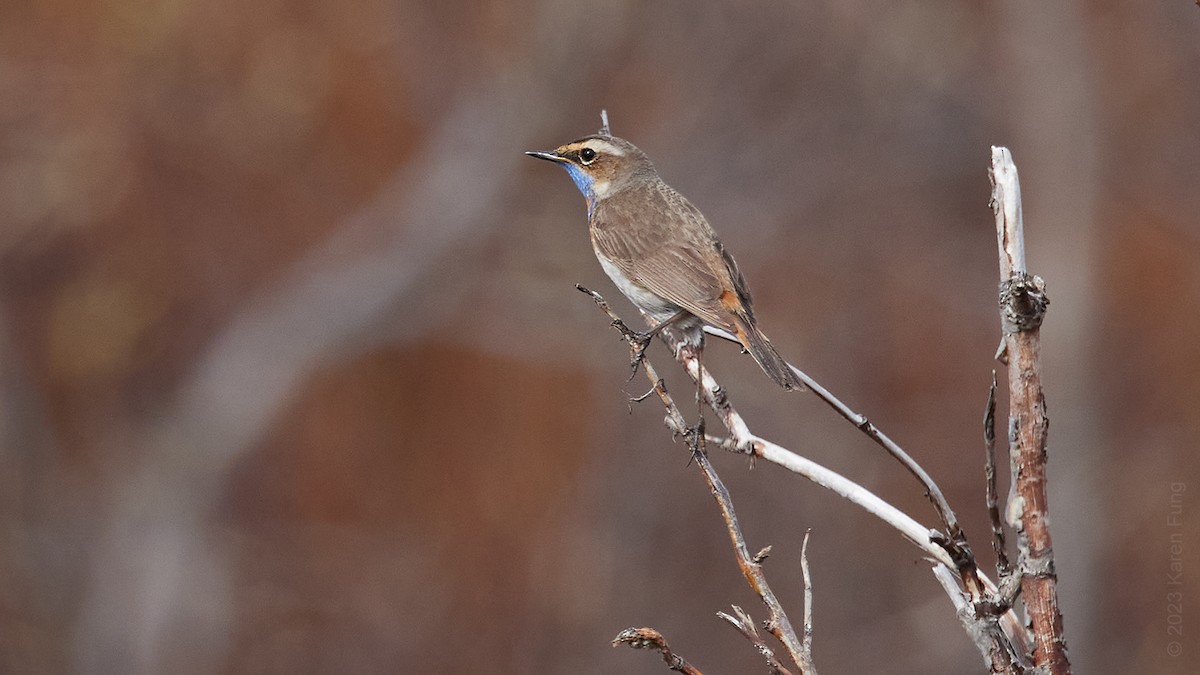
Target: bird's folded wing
point(675, 271)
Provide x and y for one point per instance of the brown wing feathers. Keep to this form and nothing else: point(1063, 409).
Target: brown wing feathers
point(684, 263)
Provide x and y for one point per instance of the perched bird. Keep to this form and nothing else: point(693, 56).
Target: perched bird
point(660, 251)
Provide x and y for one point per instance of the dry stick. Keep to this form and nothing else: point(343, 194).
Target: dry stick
point(1022, 307)
point(745, 625)
point(648, 638)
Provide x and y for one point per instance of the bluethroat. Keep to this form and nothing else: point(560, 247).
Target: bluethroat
point(660, 251)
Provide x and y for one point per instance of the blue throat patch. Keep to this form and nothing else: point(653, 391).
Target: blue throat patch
point(582, 180)
point(584, 183)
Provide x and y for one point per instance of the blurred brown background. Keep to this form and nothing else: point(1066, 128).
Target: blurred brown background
point(294, 378)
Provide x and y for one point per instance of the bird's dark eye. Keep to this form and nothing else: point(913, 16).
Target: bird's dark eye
point(587, 155)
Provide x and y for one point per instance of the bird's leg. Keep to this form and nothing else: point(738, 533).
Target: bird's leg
point(694, 434)
point(640, 342)
point(699, 446)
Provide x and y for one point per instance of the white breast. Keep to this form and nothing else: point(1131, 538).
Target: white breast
point(646, 301)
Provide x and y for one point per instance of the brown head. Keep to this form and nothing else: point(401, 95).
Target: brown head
point(600, 164)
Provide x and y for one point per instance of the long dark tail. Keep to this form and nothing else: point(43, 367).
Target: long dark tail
point(768, 359)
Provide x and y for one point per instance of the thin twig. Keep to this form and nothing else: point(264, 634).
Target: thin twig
point(675, 419)
point(648, 638)
point(745, 625)
point(989, 472)
point(807, 645)
point(1023, 306)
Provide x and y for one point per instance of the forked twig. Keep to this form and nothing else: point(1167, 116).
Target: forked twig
point(745, 625)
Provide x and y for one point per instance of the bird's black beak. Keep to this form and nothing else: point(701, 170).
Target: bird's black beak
point(549, 156)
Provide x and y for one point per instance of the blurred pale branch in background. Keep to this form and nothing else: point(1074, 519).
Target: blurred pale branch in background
point(383, 261)
point(332, 299)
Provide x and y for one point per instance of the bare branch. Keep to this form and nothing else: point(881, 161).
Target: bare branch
point(648, 638)
point(1023, 305)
